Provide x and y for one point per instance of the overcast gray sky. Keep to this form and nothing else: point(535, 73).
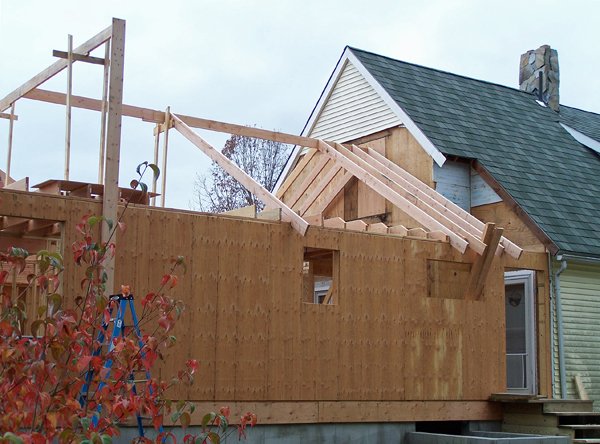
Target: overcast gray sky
point(262, 63)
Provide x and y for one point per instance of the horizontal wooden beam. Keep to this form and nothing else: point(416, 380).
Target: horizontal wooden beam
point(79, 57)
point(241, 176)
point(151, 115)
point(55, 68)
point(9, 116)
point(312, 412)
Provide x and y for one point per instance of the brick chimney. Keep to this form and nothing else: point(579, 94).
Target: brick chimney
point(538, 75)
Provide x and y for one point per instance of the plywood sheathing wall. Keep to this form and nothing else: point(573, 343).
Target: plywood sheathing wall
point(514, 228)
point(385, 343)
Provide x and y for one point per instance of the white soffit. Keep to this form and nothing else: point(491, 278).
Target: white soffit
point(411, 126)
point(582, 138)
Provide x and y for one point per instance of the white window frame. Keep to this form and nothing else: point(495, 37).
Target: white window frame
point(527, 277)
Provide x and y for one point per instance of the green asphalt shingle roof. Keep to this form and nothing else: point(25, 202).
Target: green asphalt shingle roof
point(585, 122)
point(554, 178)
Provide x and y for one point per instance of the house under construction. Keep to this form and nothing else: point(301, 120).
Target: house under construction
point(323, 321)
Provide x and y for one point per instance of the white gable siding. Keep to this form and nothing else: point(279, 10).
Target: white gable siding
point(481, 192)
point(354, 110)
point(453, 181)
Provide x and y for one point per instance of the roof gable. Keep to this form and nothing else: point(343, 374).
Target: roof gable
point(522, 145)
point(353, 109)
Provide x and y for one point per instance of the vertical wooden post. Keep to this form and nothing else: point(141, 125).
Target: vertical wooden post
point(156, 147)
point(11, 123)
point(68, 106)
point(113, 138)
point(103, 112)
point(166, 126)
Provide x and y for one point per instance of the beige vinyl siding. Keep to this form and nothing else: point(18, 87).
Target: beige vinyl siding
point(580, 295)
point(353, 110)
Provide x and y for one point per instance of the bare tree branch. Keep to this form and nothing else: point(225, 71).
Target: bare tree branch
point(216, 191)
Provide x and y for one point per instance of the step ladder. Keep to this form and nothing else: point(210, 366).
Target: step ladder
point(123, 301)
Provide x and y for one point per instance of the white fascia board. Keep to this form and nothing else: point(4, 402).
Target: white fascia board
point(410, 125)
point(582, 138)
point(314, 116)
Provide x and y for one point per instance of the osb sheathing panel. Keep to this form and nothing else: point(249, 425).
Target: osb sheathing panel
point(384, 339)
point(514, 228)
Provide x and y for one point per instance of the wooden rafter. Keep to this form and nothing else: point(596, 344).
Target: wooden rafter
point(296, 172)
point(481, 267)
point(241, 176)
point(297, 193)
point(399, 201)
point(436, 200)
point(383, 176)
point(323, 182)
point(465, 231)
point(55, 68)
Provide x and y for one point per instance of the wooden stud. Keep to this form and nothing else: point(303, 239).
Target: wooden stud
point(68, 107)
point(78, 57)
point(156, 149)
point(113, 137)
point(103, 113)
point(10, 142)
point(55, 68)
point(334, 222)
point(166, 126)
point(241, 176)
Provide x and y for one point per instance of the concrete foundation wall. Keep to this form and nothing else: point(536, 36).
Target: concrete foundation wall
point(364, 433)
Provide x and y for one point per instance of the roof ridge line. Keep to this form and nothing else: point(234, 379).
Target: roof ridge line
point(441, 71)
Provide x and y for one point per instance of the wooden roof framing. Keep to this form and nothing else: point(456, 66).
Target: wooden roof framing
point(403, 190)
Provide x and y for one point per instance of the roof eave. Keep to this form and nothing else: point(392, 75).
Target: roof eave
point(410, 125)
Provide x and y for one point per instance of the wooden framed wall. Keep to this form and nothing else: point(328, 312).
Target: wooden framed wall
point(385, 351)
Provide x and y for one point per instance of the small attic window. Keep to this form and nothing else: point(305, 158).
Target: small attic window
point(320, 269)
